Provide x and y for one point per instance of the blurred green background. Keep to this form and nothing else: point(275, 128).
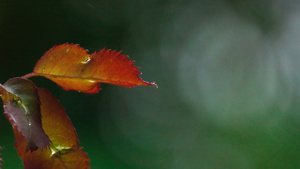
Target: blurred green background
point(227, 70)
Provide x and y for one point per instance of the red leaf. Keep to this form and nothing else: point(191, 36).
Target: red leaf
point(22, 108)
point(64, 152)
point(72, 68)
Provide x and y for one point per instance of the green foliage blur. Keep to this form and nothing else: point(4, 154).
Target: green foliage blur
point(227, 70)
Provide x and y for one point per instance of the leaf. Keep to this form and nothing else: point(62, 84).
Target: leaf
point(22, 108)
point(72, 68)
point(64, 152)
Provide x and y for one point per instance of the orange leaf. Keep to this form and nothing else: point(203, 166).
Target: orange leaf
point(72, 68)
point(64, 152)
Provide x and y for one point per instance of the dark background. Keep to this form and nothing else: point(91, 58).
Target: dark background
point(227, 70)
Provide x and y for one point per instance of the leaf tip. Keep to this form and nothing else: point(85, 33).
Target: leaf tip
point(145, 83)
point(154, 84)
